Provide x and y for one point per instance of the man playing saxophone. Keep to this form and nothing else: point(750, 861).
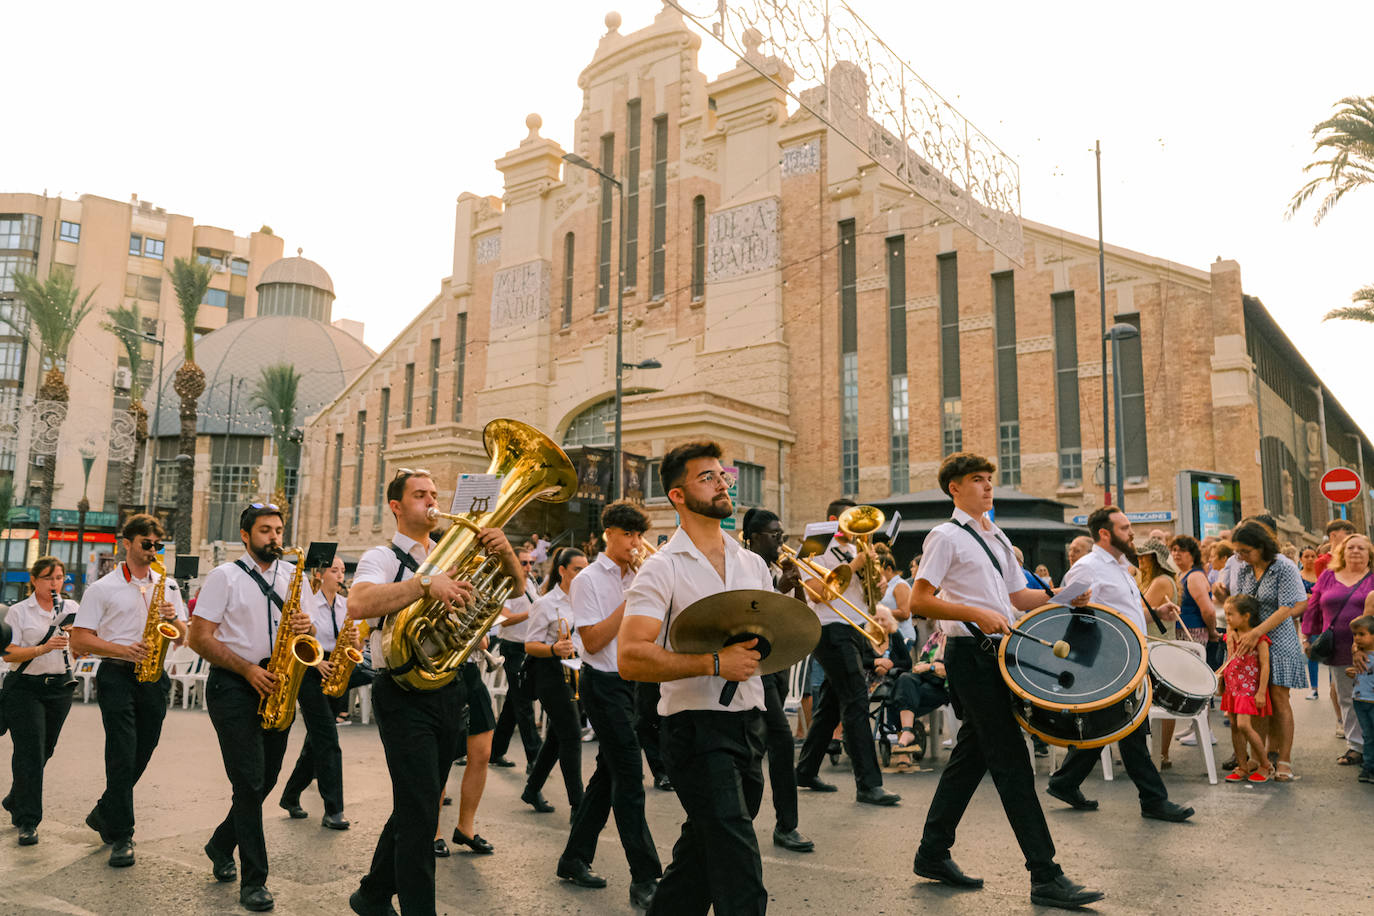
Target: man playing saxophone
point(420, 729)
point(320, 758)
point(235, 625)
point(111, 622)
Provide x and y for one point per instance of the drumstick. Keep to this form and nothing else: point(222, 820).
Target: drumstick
point(1058, 647)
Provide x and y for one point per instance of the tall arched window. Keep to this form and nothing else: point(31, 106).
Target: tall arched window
point(567, 279)
point(592, 426)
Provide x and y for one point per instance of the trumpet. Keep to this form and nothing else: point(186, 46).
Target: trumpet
point(641, 553)
point(569, 674)
point(834, 582)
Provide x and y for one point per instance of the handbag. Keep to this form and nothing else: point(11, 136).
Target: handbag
point(1323, 647)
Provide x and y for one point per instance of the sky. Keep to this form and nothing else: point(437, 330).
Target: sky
point(352, 128)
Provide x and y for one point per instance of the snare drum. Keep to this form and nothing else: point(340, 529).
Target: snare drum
point(1181, 681)
point(1098, 695)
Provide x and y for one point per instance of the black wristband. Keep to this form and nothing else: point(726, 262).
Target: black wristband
point(715, 657)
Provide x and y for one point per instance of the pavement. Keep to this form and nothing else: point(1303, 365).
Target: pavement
point(1296, 848)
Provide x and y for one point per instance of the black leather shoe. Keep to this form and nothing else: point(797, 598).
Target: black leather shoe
point(256, 899)
point(642, 893)
point(1167, 811)
point(1073, 797)
point(501, 762)
point(791, 839)
point(944, 871)
point(461, 761)
point(365, 907)
point(294, 809)
point(122, 855)
point(662, 783)
point(814, 783)
point(474, 842)
point(1063, 894)
point(94, 821)
point(537, 801)
point(222, 865)
point(28, 836)
point(578, 873)
point(878, 796)
point(335, 821)
point(441, 850)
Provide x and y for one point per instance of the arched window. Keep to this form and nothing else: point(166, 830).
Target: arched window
point(593, 426)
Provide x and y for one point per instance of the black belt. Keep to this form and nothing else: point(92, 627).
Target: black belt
point(116, 662)
point(49, 680)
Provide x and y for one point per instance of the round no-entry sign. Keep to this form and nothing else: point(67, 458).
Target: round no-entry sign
point(1340, 485)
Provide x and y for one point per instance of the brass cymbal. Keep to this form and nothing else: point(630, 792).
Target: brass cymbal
point(789, 627)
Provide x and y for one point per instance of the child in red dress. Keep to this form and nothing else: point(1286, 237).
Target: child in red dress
point(1245, 694)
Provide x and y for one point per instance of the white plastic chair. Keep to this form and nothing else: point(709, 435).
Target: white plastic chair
point(364, 698)
point(180, 663)
point(85, 670)
point(1204, 728)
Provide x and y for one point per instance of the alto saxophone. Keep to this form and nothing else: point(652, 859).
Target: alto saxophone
point(292, 653)
point(424, 643)
point(343, 659)
point(158, 634)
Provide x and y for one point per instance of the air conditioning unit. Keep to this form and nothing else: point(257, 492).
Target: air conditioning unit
point(123, 378)
point(40, 461)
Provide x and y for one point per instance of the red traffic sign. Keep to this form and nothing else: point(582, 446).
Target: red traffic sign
point(1340, 485)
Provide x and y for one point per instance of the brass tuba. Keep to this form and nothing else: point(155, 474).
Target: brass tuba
point(424, 644)
point(158, 634)
point(292, 653)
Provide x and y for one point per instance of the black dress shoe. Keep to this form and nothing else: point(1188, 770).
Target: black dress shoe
point(335, 821)
point(448, 800)
point(1071, 796)
point(28, 836)
point(662, 783)
point(256, 899)
point(944, 871)
point(122, 855)
point(222, 865)
point(1167, 811)
point(361, 905)
point(1063, 894)
point(537, 801)
point(642, 893)
point(878, 796)
point(814, 783)
point(294, 809)
point(461, 761)
point(474, 842)
point(501, 762)
point(791, 839)
point(578, 873)
point(96, 823)
point(441, 850)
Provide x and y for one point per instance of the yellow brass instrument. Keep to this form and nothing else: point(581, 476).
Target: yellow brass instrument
point(641, 553)
point(424, 643)
point(343, 659)
point(569, 674)
point(158, 634)
point(835, 582)
point(292, 653)
point(858, 523)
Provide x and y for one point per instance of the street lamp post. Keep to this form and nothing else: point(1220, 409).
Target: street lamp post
point(1117, 333)
point(84, 506)
point(157, 409)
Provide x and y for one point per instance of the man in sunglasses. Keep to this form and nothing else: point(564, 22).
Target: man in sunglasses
point(110, 624)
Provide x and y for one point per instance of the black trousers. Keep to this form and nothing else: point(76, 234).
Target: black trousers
point(518, 709)
point(843, 698)
point(252, 761)
point(132, 714)
point(715, 760)
point(782, 774)
point(918, 694)
point(990, 741)
point(420, 731)
point(563, 742)
point(617, 784)
point(1135, 755)
point(647, 726)
point(35, 708)
point(320, 758)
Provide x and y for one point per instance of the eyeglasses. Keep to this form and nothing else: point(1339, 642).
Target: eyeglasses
point(715, 479)
point(412, 472)
point(154, 546)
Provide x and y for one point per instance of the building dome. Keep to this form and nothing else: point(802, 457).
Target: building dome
point(296, 286)
point(234, 356)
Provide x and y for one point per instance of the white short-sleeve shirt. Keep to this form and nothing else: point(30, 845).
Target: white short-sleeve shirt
point(115, 607)
point(1112, 584)
point(380, 565)
point(517, 632)
point(329, 619)
point(952, 561)
point(247, 619)
point(31, 624)
point(551, 608)
point(838, 553)
point(596, 592)
point(667, 584)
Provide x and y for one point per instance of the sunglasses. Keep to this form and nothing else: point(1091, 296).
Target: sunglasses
point(272, 506)
point(154, 546)
point(411, 472)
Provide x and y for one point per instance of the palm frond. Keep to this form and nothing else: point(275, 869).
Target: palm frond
point(127, 325)
point(54, 313)
point(276, 392)
point(1361, 310)
point(1349, 135)
point(190, 280)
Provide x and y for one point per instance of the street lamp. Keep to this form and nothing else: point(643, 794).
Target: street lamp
point(157, 409)
point(88, 454)
point(1117, 333)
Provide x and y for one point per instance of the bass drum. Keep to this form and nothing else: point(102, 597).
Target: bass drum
point(1098, 695)
point(1181, 681)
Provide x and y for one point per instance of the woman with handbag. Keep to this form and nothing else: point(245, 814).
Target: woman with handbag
point(38, 691)
point(1337, 598)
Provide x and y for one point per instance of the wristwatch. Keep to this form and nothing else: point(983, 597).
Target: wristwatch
point(424, 586)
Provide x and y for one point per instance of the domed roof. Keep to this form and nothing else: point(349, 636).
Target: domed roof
point(298, 270)
point(234, 357)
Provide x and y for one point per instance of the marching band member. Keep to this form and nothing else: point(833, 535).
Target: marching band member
point(420, 729)
point(714, 754)
point(114, 612)
point(518, 709)
point(598, 602)
point(970, 563)
point(38, 692)
point(1107, 567)
point(844, 697)
point(481, 720)
point(234, 628)
point(320, 758)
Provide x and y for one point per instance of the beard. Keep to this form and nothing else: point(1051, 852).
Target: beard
point(1126, 547)
point(720, 507)
point(265, 554)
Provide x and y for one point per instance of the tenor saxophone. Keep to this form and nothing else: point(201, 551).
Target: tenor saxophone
point(343, 659)
point(292, 653)
point(158, 634)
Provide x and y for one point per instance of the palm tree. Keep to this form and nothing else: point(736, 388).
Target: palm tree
point(276, 393)
point(1362, 310)
point(126, 324)
point(6, 504)
point(54, 315)
point(1348, 138)
point(190, 280)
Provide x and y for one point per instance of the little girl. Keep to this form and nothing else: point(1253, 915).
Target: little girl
point(1246, 690)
